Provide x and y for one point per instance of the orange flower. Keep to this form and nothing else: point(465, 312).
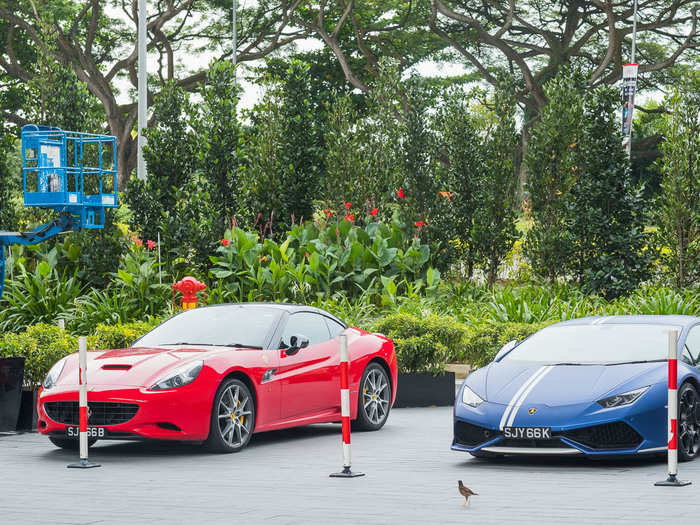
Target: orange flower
point(138, 241)
point(150, 244)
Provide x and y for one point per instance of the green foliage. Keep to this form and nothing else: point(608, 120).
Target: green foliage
point(494, 218)
point(678, 207)
point(485, 340)
point(423, 344)
point(42, 345)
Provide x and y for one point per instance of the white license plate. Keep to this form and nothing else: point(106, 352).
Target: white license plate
point(527, 432)
point(92, 432)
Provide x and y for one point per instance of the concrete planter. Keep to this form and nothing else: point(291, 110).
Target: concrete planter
point(11, 378)
point(27, 412)
point(424, 389)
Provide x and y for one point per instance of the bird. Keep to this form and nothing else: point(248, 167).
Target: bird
point(466, 492)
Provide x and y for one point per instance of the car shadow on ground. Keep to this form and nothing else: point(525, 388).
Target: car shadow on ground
point(144, 449)
point(557, 462)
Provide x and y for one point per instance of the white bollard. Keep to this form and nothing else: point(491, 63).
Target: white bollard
point(345, 410)
point(672, 481)
point(83, 407)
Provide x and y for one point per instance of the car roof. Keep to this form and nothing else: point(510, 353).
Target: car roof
point(287, 307)
point(680, 320)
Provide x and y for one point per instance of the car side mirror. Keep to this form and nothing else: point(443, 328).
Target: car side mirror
point(505, 349)
point(296, 343)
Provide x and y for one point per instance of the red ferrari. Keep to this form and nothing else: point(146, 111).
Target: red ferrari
point(219, 374)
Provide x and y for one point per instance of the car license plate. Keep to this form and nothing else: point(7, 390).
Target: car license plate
point(92, 432)
point(527, 432)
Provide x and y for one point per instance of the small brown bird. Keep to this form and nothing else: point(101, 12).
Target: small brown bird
point(466, 492)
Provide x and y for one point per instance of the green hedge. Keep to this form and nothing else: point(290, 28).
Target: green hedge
point(426, 344)
point(44, 344)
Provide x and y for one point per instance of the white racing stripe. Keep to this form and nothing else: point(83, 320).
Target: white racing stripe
point(513, 400)
point(520, 401)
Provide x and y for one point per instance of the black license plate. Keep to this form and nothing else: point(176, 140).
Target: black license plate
point(92, 432)
point(527, 432)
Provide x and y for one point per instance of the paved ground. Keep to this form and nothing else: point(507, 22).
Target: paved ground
point(283, 478)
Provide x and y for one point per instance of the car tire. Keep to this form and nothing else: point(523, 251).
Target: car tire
point(70, 443)
point(232, 418)
point(373, 399)
point(688, 422)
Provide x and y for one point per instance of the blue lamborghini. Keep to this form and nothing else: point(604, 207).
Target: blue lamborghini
point(594, 386)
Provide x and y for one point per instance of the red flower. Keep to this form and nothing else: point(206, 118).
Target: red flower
point(307, 255)
point(350, 217)
point(374, 212)
point(225, 242)
point(420, 224)
point(347, 205)
point(138, 241)
point(259, 214)
point(328, 213)
point(150, 244)
point(400, 194)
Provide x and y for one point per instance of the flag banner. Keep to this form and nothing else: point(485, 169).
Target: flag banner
point(629, 86)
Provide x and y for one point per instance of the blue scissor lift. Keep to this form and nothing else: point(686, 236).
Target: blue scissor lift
point(70, 172)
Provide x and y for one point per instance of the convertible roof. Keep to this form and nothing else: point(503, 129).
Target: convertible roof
point(680, 320)
point(288, 307)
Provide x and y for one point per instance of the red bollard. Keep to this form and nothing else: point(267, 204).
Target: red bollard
point(345, 410)
point(672, 480)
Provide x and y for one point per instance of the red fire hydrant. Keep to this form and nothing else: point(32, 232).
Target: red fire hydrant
point(188, 287)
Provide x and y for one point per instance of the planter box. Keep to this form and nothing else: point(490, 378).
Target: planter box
point(27, 411)
point(422, 390)
point(11, 378)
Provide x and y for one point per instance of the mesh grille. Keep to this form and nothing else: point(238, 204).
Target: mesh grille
point(607, 436)
point(472, 435)
point(99, 413)
point(532, 443)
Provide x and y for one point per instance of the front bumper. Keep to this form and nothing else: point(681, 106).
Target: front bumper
point(178, 414)
point(576, 430)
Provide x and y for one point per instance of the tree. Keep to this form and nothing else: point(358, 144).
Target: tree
point(496, 190)
point(551, 162)
point(7, 184)
point(605, 211)
point(678, 208)
point(98, 43)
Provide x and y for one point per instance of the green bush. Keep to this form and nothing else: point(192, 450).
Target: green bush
point(120, 335)
point(42, 345)
point(484, 341)
point(423, 344)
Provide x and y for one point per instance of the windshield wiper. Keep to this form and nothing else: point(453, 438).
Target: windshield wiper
point(637, 362)
point(239, 345)
point(186, 343)
point(609, 364)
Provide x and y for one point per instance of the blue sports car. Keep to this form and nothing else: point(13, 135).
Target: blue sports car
point(595, 386)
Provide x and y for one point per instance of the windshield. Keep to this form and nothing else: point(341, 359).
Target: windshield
point(247, 326)
point(595, 344)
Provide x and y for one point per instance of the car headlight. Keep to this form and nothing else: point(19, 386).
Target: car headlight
point(180, 376)
point(619, 400)
point(469, 397)
point(54, 374)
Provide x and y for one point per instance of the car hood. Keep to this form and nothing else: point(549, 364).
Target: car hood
point(561, 385)
point(133, 366)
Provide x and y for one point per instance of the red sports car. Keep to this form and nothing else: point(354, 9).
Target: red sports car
point(218, 374)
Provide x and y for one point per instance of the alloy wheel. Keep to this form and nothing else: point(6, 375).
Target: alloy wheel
point(375, 396)
point(235, 416)
point(689, 422)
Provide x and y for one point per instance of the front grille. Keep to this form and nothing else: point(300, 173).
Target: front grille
point(100, 413)
point(472, 435)
point(532, 443)
point(617, 435)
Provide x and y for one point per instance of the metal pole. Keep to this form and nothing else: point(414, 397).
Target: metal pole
point(672, 426)
point(83, 407)
point(628, 144)
point(143, 88)
point(634, 32)
point(160, 273)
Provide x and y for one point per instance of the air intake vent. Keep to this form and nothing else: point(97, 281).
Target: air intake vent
point(116, 367)
point(99, 413)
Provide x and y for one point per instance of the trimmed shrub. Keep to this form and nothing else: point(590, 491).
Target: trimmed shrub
point(120, 335)
point(484, 341)
point(42, 345)
point(423, 344)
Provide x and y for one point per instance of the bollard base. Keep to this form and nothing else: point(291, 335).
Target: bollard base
point(672, 481)
point(84, 463)
point(346, 473)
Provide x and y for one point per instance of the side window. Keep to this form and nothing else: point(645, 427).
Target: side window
point(692, 343)
point(309, 324)
point(335, 328)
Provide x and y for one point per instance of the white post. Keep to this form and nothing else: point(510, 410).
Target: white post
point(83, 406)
point(143, 88)
point(672, 425)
